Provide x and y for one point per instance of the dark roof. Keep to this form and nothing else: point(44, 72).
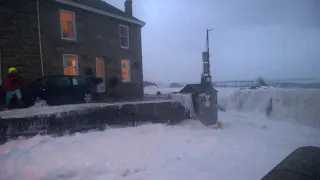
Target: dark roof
point(199, 88)
point(102, 5)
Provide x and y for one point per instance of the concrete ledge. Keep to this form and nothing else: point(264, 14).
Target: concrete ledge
point(302, 164)
point(69, 119)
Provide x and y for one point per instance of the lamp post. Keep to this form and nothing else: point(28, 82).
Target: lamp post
point(206, 76)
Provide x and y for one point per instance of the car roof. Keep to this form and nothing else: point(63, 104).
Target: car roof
point(54, 76)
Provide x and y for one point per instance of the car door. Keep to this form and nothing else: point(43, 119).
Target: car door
point(60, 90)
point(80, 86)
point(37, 88)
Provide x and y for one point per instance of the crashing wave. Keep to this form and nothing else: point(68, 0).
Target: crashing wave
point(300, 105)
point(186, 101)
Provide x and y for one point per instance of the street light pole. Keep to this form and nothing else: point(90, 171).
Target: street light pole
point(206, 76)
point(208, 51)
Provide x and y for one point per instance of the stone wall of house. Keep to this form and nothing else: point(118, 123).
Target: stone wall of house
point(19, 45)
point(97, 36)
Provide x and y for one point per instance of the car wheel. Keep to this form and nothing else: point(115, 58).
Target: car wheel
point(39, 101)
point(87, 97)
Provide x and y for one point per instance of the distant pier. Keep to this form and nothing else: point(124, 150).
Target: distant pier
point(233, 84)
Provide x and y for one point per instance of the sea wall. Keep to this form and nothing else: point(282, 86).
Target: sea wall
point(68, 119)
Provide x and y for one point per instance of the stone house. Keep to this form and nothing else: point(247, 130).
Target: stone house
point(72, 37)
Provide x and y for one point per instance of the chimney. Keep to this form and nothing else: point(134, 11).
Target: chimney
point(128, 7)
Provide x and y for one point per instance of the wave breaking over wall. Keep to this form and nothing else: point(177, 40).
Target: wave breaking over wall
point(299, 105)
point(186, 101)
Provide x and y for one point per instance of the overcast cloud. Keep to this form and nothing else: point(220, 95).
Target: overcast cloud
point(271, 38)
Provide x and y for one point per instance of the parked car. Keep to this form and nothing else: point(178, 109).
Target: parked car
point(61, 89)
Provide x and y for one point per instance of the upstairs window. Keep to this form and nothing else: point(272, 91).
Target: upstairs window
point(68, 25)
point(124, 36)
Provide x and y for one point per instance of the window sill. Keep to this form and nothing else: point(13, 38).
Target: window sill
point(126, 48)
point(70, 40)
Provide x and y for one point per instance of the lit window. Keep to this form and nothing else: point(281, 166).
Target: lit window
point(125, 70)
point(68, 25)
point(70, 64)
point(124, 36)
point(100, 67)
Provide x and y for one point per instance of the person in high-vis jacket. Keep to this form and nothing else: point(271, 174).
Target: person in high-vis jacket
point(13, 84)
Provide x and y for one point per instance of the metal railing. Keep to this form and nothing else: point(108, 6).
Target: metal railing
point(233, 84)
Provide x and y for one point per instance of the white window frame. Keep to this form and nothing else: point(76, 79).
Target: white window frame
point(73, 25)
point(128, 37)
point(129, 69)
point(77, 62)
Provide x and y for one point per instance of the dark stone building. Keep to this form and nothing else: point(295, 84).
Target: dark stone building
point(74, 37)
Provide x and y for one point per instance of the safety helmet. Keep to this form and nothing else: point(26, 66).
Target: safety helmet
point(11, 69)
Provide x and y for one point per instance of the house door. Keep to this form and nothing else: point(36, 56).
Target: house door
point(101, 74)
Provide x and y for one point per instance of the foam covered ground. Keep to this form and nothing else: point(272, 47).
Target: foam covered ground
point(247, 147)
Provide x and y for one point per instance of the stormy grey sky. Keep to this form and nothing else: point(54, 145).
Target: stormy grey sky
point(270, 38)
